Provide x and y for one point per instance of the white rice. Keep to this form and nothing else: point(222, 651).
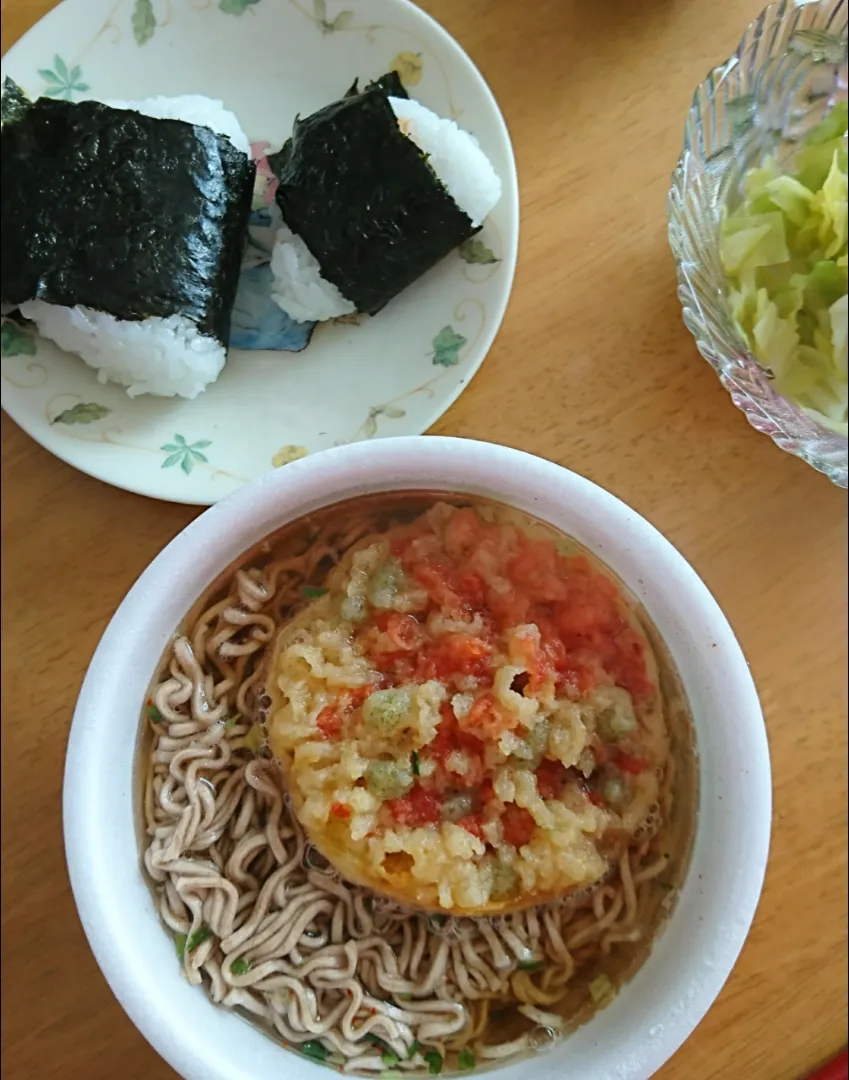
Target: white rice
point(454, 155)
point(168, 357)
point(299, 288)
point(458, 161)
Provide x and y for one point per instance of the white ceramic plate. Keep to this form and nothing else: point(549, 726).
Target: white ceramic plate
point(393, 374)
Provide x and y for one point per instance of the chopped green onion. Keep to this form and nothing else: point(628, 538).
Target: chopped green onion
point(154, 714)
point(185, 945)
point(389, 779)
point(434, 1062)
point(376, 1040)
point(466, 1060)
point(414, 761)
point(387, 1054)
point(254, 739)
point(504, 878)
point(231, 721)
point(601, 989)
point(538, 739)
point(615, 790)
point(315, 1050)
point(353, 608)
point(386, 710)
point(312, 592)
point(531, 965)
point(385, 583)
point(458, 806)
point(241, 966)
point(198, 938)
point(415, 1048)
point(614, 724)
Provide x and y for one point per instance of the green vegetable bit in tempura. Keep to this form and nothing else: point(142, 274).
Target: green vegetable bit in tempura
point(784, 251)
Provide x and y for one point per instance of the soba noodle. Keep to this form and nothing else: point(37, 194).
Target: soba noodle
point(268, 928)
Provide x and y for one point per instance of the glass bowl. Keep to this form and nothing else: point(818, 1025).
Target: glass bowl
point(788, 70)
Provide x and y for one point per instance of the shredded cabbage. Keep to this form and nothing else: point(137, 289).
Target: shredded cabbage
point(784, 249)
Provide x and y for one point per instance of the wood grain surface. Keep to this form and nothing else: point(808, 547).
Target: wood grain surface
point(593, 368)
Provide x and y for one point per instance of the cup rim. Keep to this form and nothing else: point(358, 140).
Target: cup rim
point(692, 957)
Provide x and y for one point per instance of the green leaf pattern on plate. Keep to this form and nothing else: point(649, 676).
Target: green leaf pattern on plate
point(287, 454)
point(61, 82)
point(144, 21)
point(15, 341)
point(476, 251)
point(338, 22)
point(84, 413)
point(391, 412)
point(408, 66)
point(184, 454)
point(446, 347)
point(236, 7)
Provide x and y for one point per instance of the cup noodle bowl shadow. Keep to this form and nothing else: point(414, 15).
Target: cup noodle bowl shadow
point(693, 956)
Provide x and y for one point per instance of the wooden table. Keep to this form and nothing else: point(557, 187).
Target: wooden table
point(594, 369)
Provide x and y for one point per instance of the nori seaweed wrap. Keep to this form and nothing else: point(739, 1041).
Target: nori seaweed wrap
point(363, 198)
point(390, 84)
point(121, 212)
